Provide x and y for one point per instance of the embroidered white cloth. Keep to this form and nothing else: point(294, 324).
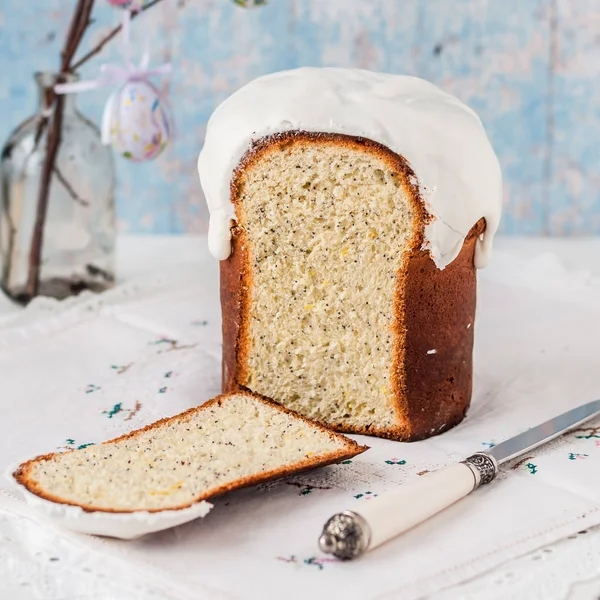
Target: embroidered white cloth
point(96, 367)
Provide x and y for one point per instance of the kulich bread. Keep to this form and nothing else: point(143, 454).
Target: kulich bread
point(232, 441)
point(348, 322)
point(348, 269)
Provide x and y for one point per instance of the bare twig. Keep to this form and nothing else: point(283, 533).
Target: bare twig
point(69, 187)
point(39, 132)
point(35, 252)
point(77, 27)
point(109, 36)
point(74, 33)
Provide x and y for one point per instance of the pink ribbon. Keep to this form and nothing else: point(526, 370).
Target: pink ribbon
point(115, 75)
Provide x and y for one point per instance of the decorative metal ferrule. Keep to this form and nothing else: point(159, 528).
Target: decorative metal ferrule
point(483, 466)
point(346, 535)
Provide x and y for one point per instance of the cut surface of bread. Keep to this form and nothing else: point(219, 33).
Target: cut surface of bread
point(329, 225)
point(232, 441)
point(330, 304)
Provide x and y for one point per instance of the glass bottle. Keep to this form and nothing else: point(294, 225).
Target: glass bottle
point(78, 231)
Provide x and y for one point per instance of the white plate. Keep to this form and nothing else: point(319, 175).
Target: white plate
point(126, 526)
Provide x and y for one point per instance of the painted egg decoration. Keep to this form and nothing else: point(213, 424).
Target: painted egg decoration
point(139, 123)
point(132, 4)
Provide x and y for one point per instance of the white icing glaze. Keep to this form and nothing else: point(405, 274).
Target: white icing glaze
point(443, 140)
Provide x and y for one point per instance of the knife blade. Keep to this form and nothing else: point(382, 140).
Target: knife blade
point(351, 533)
point(543, 433)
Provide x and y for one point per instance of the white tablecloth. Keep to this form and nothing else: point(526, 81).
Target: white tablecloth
point(537, 362)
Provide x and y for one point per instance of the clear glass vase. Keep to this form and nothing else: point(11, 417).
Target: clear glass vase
point(60, 242)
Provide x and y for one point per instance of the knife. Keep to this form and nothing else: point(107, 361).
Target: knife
point(351, 533)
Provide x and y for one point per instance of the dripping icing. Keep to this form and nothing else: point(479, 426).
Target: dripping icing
point(458, 173)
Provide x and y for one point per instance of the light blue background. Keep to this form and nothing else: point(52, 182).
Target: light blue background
point(531, 68)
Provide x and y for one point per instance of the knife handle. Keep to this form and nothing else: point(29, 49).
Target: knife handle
point(378, 520)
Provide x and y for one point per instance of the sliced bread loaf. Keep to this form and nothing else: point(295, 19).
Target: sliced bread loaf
point(361, 204)
point(370, 336)
point(232, 441)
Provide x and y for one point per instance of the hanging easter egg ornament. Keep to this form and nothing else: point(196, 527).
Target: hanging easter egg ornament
point(136, 119)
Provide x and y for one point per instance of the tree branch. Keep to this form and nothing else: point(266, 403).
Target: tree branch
point(66, 53)
point(109, 36)
point(81, 21)
point(69, 187)
point(77, 28)
point(37, 240)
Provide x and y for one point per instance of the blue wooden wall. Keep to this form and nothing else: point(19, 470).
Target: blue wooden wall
point(531, 68)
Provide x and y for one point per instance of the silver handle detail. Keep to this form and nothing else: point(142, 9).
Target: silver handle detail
point(349, 534)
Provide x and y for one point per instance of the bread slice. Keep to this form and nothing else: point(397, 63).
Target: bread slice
point(330, 304)
point(232, 441)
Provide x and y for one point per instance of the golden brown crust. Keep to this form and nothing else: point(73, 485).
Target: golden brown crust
point(439, 320)
point(22, 474)
point(233, 299)
point(431, 306)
